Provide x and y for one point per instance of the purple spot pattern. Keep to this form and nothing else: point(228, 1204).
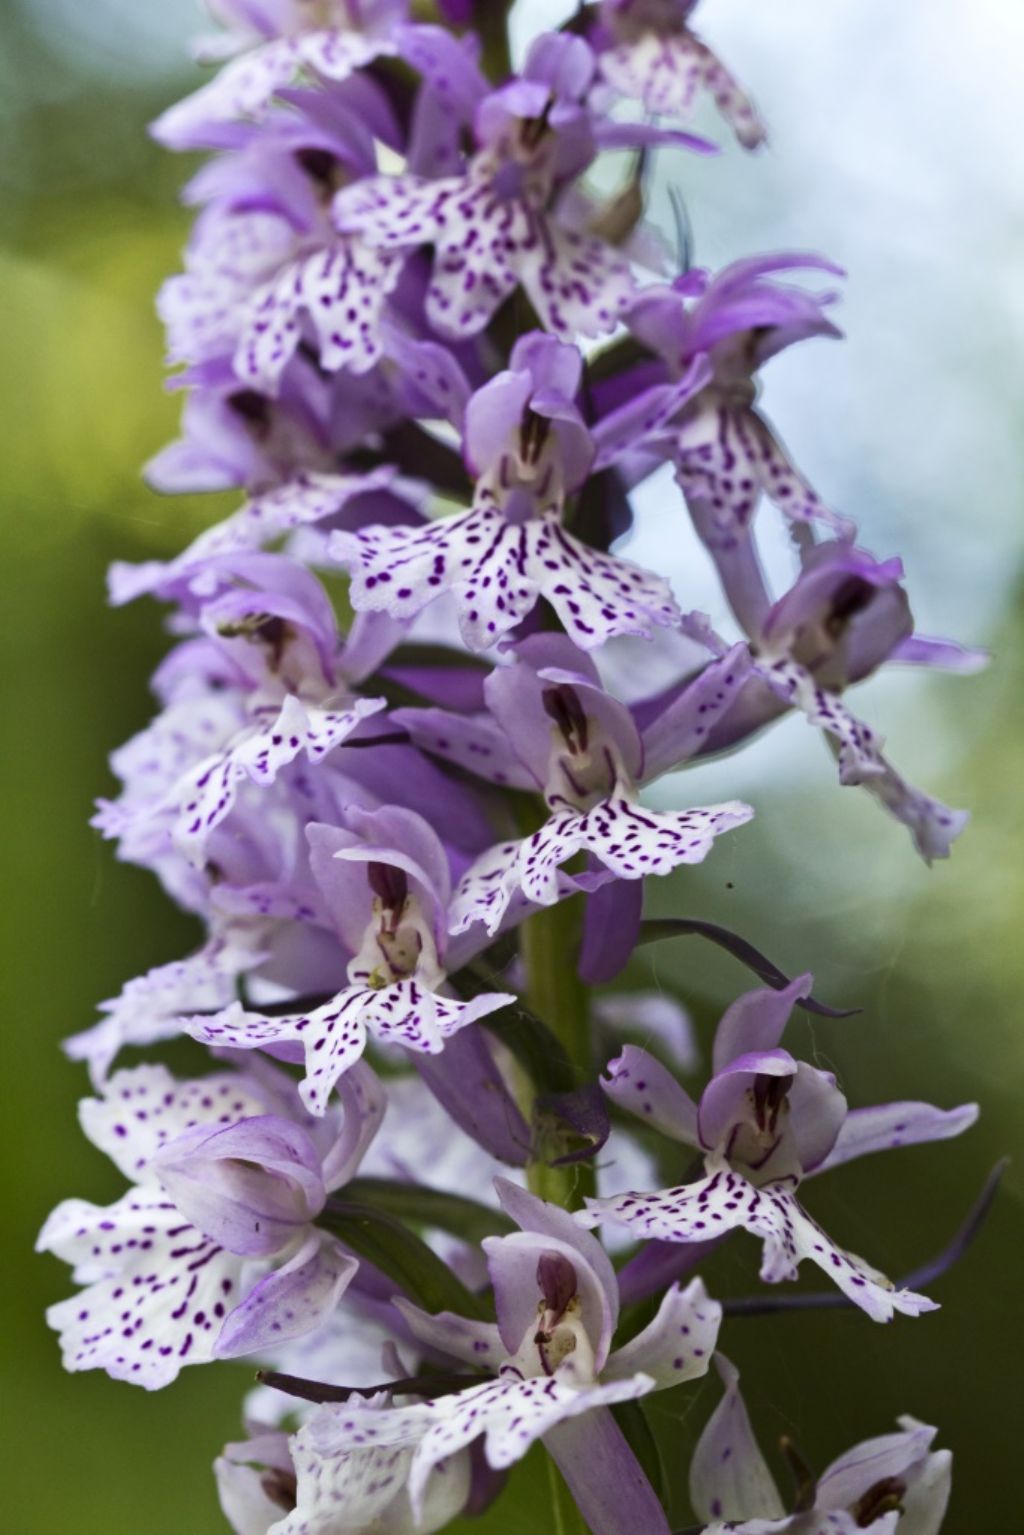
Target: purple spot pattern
point(341, 291)
point(333, 1037)
point(496, 571)
point(145, 1107)
point(933, 826)
point(156, 1288)
point(625, 837)
point(726, 456)
point(259, 754)
point(664, 66)
point(486, 243)
point(725, 1200)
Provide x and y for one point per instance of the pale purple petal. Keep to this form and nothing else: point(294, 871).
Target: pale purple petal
point(817, 1112)
point(364, 1102)
point(611, 928)
point(889, 1125)
point(642, 1086)
point(466, 1082)
point(943, 655)
point(251, 1186)
point(756, 1020)
point(472, 741)
point(157, 1289)
point(678, 732)
point(729, 1478)
point(475, 1343)
point(677, 1345)
point(291, 1301)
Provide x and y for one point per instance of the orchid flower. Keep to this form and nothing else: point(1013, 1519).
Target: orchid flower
point(228, 1179)
point(653, 56)
point(894, 1485)
point(496, 226)
point(553, 728)
point(386, 882)
point(763, 1124)
point(528, 449)
point(550, 1361)
point(725, 452)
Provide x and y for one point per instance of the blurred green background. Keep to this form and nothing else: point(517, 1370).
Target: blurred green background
point(822, 880)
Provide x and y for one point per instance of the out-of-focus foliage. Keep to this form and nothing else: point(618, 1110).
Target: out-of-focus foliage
point(821, 881)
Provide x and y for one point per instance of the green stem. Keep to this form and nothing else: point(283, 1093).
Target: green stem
point(491, 23)
point(550, 945)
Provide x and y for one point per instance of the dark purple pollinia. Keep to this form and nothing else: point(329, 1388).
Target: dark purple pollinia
point(435, 361)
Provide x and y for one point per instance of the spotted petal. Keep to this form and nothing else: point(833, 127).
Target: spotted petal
point(308, 498)
point(497, 570)
point(933, 826)
point(889, 1125)
point(290, 1302)
point(577, 283)
point(484, 244)
point(144, 1108)
point(729, 1478)
point(346, 1482)
point(333, 1037)
point(341, 292)
point(149, 1008)
point(157, 1289)
point(259, 754)
point(725, 459)
point(677, 1345)
point(666, 72)
point(475, 235)
point(244, 87)
point(724, 1200)
point(626, 838)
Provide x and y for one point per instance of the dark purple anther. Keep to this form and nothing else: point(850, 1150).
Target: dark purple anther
point(533, 434)
point(769, 1096)
point(849, 599)
point(389, 884)
point(562, 704)
point(557, 1280)
point(885, 1497)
